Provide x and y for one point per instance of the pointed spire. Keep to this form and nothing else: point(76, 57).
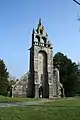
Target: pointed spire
point(33, 31)
point(40, 21)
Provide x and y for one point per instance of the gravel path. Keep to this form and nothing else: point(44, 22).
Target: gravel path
point(22, 104)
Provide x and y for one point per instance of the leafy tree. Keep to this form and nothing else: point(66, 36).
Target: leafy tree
point(12, 81)
point(4, 75)
point(68, 73)
point(78, 84)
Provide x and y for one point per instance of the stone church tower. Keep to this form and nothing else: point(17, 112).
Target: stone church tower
point(41, 81)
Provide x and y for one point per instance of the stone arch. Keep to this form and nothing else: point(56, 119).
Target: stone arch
point(42, 41)
point(38, 38)
point(42, 72)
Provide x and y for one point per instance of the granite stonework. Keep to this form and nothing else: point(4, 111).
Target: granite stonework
point(20, 88)
point(42, 80)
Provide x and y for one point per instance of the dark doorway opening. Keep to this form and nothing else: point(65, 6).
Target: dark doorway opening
point(41, 91)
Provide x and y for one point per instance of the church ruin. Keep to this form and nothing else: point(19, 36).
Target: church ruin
point(42, 80)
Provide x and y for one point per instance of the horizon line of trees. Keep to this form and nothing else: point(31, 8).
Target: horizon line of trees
point(69, 76)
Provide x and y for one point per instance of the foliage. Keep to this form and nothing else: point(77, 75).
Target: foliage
point(68, 73)
point(4, 75)
point(12, 82)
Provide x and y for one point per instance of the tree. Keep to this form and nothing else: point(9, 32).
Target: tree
point(76, 2)
point(78, 84)
point(4, 75)
point(12, 80)
point(68, 73)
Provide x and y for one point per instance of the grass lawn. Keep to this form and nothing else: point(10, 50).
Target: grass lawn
point(67, 109)
point(8, 99)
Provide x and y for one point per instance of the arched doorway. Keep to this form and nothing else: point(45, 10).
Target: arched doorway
point(42, 73)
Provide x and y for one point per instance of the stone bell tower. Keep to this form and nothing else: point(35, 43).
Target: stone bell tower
point(40, 83)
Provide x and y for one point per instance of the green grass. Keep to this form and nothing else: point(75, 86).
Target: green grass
point(66, 102)
point(65, 109)
point(15, 99)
